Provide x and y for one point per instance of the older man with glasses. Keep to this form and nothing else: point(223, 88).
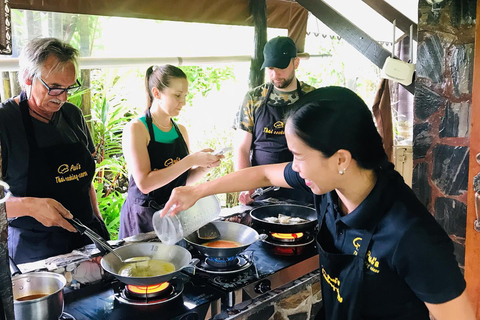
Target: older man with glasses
point(46, 154)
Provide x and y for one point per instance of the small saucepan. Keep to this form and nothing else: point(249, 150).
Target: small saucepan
point(37, 295)
point(293, 210)
point(229, 231)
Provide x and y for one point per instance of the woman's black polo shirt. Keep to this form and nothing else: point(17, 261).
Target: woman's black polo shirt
point(411, 257)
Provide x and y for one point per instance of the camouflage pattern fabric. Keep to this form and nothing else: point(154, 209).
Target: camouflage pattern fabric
point(253, 100)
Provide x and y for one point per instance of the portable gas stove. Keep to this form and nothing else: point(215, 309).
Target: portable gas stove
point(181, 299)
point(259, 269)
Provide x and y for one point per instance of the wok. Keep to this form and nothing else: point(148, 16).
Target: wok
point(228, 231)
point(293, 210)
point(112, 263)
point(178, 256)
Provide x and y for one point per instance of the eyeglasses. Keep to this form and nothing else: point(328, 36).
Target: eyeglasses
point(59, 91)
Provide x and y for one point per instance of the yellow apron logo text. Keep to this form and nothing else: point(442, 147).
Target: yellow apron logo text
point(68, 173)
point(334, 283)
point(371, 263)
point(171, 161)
point(278, 128)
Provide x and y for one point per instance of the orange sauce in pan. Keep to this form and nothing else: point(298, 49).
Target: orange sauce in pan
point(223, 244)
point(32, 297)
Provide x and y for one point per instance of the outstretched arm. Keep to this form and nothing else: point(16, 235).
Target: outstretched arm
point(250, 178)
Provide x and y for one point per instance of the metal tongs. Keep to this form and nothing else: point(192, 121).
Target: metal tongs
point(101, 243)
point(260, 191)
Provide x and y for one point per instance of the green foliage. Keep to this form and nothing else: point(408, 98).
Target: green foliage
point(203, 79)
point(217, 139)
point(109, 114)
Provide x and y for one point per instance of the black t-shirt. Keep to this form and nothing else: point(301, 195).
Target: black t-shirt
point(14, 141)
point(410, 259)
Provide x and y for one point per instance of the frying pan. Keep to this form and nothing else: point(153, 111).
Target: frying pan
point(293, 210)
point(178, 256)
point(231, 231)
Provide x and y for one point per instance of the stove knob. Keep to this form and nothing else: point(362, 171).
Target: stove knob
point(263, 286)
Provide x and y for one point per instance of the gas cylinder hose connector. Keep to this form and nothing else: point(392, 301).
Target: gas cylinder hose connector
point(6, 191)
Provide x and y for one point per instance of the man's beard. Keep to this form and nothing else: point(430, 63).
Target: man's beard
point(284, 83)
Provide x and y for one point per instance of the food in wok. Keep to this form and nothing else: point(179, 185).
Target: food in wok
point(149, 268)
point(284, 219)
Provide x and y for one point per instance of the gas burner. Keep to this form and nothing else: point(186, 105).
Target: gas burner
point(66, 316)
point(287, 237)
point(153, 292)
point(222, 263)
point(150, 295)
point(225, 265)
point(289, 240)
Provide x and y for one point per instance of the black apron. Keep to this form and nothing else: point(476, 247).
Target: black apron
point(270, 146)
point(62, 172)
point(341, 276)
point(138, 209)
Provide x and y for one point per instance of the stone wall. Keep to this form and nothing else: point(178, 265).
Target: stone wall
point(443, 92)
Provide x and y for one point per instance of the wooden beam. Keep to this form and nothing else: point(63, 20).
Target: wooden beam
point(258, 9)
point(350, 32)
point(390, 13)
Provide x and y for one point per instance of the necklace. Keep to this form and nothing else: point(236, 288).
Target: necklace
point(159, 125)
point(44, 118)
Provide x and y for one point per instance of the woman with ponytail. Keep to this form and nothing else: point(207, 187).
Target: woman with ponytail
point(156, 150)
point(382, 254)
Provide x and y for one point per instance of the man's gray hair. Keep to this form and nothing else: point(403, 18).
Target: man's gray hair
point(36, 52)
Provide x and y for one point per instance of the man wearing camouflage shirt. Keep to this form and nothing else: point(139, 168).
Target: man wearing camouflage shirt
point(260, 133)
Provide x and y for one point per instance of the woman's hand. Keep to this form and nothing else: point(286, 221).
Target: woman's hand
point(204, 158)
point(244, 197)
point(181, 199)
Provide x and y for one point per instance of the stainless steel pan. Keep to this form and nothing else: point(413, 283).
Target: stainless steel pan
point(37, 295)
point(293, 210)
point(178, 256)
point(228, 231)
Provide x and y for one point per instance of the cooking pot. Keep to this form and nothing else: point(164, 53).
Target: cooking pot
point(293, 210)
point(230, 231)
point(43, 294)
point(178, 256)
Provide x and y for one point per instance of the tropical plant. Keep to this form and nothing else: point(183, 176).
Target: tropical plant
point(109, 114)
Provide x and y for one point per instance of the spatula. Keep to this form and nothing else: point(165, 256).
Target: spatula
point(208, 232)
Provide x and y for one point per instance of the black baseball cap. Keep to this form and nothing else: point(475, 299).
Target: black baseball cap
point(278, 52)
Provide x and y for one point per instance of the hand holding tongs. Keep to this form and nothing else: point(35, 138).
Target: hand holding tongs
point(101, 243)
point(260, 191)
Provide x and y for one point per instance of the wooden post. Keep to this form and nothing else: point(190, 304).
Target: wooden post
point(258, 9)
point(15, 88)
point(6, 294)
point(472, 243)
point(6, 92)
